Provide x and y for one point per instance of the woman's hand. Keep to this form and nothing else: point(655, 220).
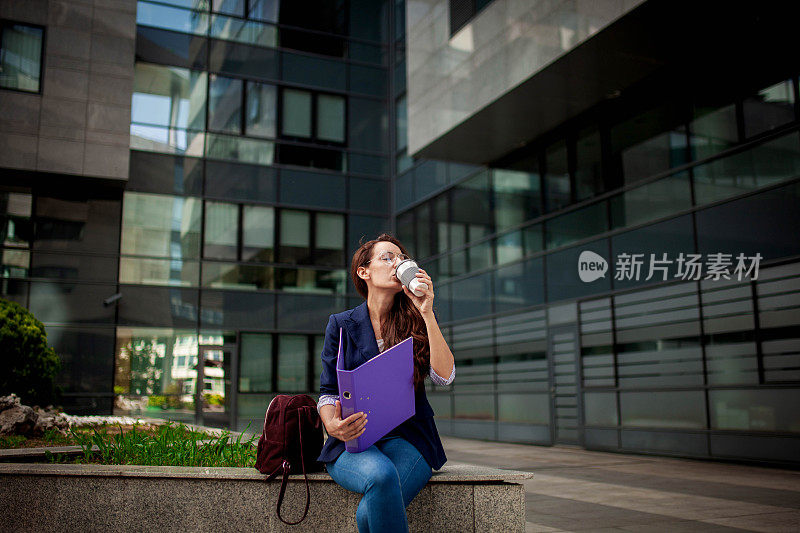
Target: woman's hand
point(348, 429)
point(423, 303)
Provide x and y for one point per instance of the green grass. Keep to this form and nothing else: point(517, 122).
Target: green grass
point(171, 445)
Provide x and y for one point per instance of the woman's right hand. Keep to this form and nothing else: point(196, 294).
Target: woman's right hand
point(350, 428)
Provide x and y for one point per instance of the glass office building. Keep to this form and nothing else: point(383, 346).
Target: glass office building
point(193, 279)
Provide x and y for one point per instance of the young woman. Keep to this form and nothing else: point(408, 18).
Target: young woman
point(393, 470)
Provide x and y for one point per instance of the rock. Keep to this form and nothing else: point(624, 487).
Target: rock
point(12, 400)
point(17, 420)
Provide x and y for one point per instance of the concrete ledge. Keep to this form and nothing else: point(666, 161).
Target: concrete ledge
point(65, 497)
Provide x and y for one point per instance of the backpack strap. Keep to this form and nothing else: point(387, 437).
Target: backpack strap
point(286, 467)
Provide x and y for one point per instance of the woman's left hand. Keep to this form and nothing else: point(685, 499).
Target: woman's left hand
point(423, 303)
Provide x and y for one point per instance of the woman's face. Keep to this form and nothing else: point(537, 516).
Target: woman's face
point(379, 274)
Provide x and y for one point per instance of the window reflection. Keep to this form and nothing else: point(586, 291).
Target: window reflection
point(243, 31)
point(171, 18)
point(258, 233)
point(649, 143)
point(261, 107)
point(255, 363)
point(651, 201)
point(292, 363)
point(770, 108)
point(168, 104)
point(517, 197)
point(173, 272)
point(759, 166)
point(160, 225)
point(156, 372)
point(236, 276)
point(221, 230)
point(714, 128)
point(224, 104)
point(20, 57)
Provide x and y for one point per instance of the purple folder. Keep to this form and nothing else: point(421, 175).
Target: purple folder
point(382, 387)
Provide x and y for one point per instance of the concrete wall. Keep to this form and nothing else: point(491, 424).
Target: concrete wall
point(80, 122)
point(449, 79)
point(153, 498)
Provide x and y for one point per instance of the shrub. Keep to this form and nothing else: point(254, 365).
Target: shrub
point(29, 365)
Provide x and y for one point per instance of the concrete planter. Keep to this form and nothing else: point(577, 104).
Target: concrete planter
point(53, 497)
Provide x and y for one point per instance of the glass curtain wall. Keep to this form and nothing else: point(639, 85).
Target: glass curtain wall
point(259, 157)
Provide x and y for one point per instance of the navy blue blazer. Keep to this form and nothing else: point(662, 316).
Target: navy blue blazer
point(359, 345)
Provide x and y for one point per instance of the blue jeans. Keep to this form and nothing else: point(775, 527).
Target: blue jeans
point(389, 474)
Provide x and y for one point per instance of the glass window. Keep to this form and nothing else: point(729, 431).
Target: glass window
point(169, 96)
point(20, 57)
point(168, 110)
point(233, 148)
point(649, 143)
point(330, 239)
point(261, 105)
point(240, 181)
point(762, 165)
point(651, 201)
point(292, 363)
point(243, 31)
point(588, 165)
point(315, 189)
point(471, 207)
point(472, 297)
point(556, 179)
point(740, 226)
point(306, 156)
point(670, 237)
point(16, 229)
point(517, 197)
point(230, 7)
point(533, 238)
point(369, 195)
point(600, 409)
point(264, 10)
point(755, 410)
point(224, 104)
point(368, 80)
point(576, 225)
point(509, 247)
point(173, 272)
point(161, 226)
point(258, 233)
point(330, 118)
point(296, 113)
point(423, 216)
point(562, 273)
point(519, 285)
point(142, 355)
point(368, 124)
point(295, 236)
point(236, 276)
point(255, 363)
point(166, 174)
point(770, 108)
point(311, 280)
point(221, 227)
point(172, 18)
point(673, 409)
point(402, 123)
point(714, 128)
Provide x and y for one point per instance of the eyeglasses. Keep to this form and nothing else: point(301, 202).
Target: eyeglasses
point(388, 258)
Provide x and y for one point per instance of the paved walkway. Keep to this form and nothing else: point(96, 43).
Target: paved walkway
point(578, 490)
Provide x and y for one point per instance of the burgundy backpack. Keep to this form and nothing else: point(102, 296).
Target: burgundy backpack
point(290, 442)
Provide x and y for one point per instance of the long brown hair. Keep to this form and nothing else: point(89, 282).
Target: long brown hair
point(404, 318)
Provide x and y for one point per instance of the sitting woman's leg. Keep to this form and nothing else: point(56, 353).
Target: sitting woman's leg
point(374, 475)
point(412, 468)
